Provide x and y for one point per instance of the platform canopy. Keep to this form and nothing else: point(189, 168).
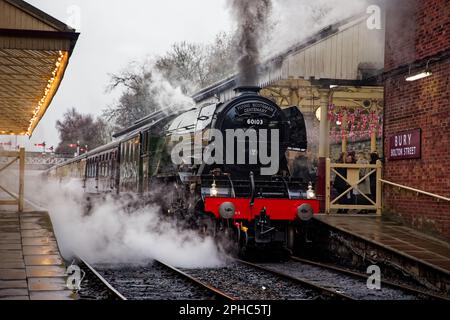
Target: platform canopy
point(344, 53)
point(34, 53)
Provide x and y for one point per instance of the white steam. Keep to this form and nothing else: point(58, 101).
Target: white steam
point(168, 96)
point(111, 233)
point(294, 20)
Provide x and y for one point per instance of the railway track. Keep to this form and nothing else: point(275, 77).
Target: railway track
point(325, 292)
point(344, 284)
point(219, 294)
point(363, 278)
point(297, 279)
point(158, 281)
point(101, 287)
point(248, 281)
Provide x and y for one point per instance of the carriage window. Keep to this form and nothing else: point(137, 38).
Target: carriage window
point(205, 117)
point(176, 123)
point(144, 142)
point(189, 119)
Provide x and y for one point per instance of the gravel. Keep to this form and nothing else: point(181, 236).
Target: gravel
point(247, 283)
point(345, 284)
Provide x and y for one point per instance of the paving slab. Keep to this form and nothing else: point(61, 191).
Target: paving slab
point(3, 220)
point(13, 274)
point(10, 241)
point(38, 241)
point(45, 271)
point(51, 295)
point(31, 266)
point(18, 264)
point(40, 250)
point(8, 214)
point(5, 254)
point(13, 292)
point(11, 246)
point(13, 284)
point(16, 298)
point(47, 284)
point(43, 260)
point(36, 233)
point(11, 224)
point(30, 226)
point(10, 235)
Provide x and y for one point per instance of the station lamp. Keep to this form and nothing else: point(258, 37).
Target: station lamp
point(213, 191)
point(418, 76)
point(421, 75)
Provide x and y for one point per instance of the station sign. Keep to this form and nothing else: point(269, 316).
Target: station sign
point(405, 145)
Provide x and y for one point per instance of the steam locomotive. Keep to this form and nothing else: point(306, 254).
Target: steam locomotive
point(231, 174)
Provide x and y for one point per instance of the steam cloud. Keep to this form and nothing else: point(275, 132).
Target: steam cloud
point(292, 21)
point(116, 231)
point(252, 22)
point(168, 96)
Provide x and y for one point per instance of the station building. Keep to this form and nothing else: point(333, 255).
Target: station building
point(418, 45)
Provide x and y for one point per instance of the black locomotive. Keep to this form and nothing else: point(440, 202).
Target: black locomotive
point(226, 161)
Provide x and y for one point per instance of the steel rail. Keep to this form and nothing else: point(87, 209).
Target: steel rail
point(108, 286)
point(364, 276)
point(198, 282)
point(327, 292)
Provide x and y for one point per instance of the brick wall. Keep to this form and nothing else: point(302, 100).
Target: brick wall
point(421, 104)
point(415, 29)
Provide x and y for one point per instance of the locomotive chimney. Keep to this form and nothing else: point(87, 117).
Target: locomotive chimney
point(247, 90)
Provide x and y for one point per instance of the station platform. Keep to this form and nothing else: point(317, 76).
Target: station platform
point(394, 237)
point(31, 266)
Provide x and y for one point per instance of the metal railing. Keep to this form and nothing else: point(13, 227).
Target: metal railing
point(17, 156)
point(353, 179)
point(415, 190)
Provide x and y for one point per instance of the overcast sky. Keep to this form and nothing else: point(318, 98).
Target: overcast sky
point(113, 33)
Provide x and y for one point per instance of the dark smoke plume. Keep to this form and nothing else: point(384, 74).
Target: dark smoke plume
point(252, 20)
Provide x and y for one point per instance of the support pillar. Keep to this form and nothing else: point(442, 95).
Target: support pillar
point(21, 178)
point(324, 146)
point(373, 142)
point(344, 126)
point(324, 135)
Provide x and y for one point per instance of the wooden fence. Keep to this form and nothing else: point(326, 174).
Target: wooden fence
point(353, 178)
point(16, 199)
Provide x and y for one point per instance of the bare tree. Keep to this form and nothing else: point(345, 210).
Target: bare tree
point(194, 66)
point(221, 58)
point(136, 100)
point(184, 65)
point(152, 86)
point(76, 127)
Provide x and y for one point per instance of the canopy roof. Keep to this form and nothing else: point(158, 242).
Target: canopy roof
point(346, 52)
point(34, 53)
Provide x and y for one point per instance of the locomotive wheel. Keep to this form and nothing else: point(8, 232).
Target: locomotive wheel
point(228, 241)
point(243, 244)
point(207, 226)
point(290, 238)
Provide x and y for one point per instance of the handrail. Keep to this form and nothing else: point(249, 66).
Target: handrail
point(415, 190)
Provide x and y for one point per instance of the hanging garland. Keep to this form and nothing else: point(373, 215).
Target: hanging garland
point(360, 123)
